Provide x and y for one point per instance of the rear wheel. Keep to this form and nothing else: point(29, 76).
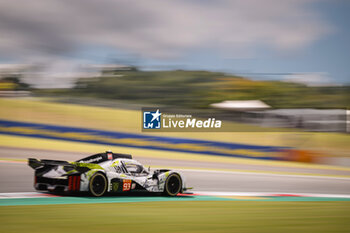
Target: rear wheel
point(173, 185)
point(98, 185)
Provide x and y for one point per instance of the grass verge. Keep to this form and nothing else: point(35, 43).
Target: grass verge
point(202, 216)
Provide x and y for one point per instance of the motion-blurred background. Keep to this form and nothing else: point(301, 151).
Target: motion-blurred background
point(277, 72)
point(284, 66)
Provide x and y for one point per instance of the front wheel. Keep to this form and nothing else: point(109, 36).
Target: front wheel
point(98, 185)
point(173, 185)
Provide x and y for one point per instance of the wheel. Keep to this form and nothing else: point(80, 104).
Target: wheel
point(98, 184)
point(173, 185)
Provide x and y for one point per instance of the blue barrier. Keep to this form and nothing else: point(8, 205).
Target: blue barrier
point(139, 140)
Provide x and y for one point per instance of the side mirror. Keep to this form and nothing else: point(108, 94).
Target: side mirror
point(149, 169)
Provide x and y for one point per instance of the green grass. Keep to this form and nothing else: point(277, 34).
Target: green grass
point(200, 216)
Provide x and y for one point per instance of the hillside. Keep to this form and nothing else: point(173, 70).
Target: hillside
point(198, 89)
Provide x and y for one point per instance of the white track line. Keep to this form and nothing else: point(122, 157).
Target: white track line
point(260, 194)
point(25, 195)
point(12, 161)
point(264, 174)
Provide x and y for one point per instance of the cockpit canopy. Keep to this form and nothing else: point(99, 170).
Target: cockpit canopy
point(102, 157)
point(132, 167)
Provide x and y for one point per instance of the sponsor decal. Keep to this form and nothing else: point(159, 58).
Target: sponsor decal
point(126, 185)
point(109, 156)
point(91, 160)
point(115, 186)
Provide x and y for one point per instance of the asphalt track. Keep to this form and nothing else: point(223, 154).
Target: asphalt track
point(16, 176)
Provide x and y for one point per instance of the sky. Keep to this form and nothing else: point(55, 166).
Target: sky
point(301, 40)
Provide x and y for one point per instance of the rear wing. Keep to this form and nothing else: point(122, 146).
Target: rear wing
point(46, 163)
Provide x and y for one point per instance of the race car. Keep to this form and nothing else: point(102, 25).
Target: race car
point(104, 173)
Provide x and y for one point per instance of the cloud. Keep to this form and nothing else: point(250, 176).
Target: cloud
point(58, 73)
point(156, 28)
point(315, 79)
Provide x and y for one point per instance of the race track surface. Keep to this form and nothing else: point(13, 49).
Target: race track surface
point(202, 176)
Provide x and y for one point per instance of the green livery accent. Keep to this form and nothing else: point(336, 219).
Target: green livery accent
point(87, 165)
point(91, 173)
point(71, 171)
point(116, 163)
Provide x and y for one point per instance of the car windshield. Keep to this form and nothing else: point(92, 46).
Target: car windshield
point(135, 169)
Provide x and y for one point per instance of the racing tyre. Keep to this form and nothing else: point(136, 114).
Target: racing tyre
point(98, 185)
point(173, 185)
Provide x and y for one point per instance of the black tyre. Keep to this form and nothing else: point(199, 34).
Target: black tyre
point(98, 184)
point(173, 185)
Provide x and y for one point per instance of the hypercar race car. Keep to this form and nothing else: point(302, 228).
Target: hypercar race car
point(102, 173)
